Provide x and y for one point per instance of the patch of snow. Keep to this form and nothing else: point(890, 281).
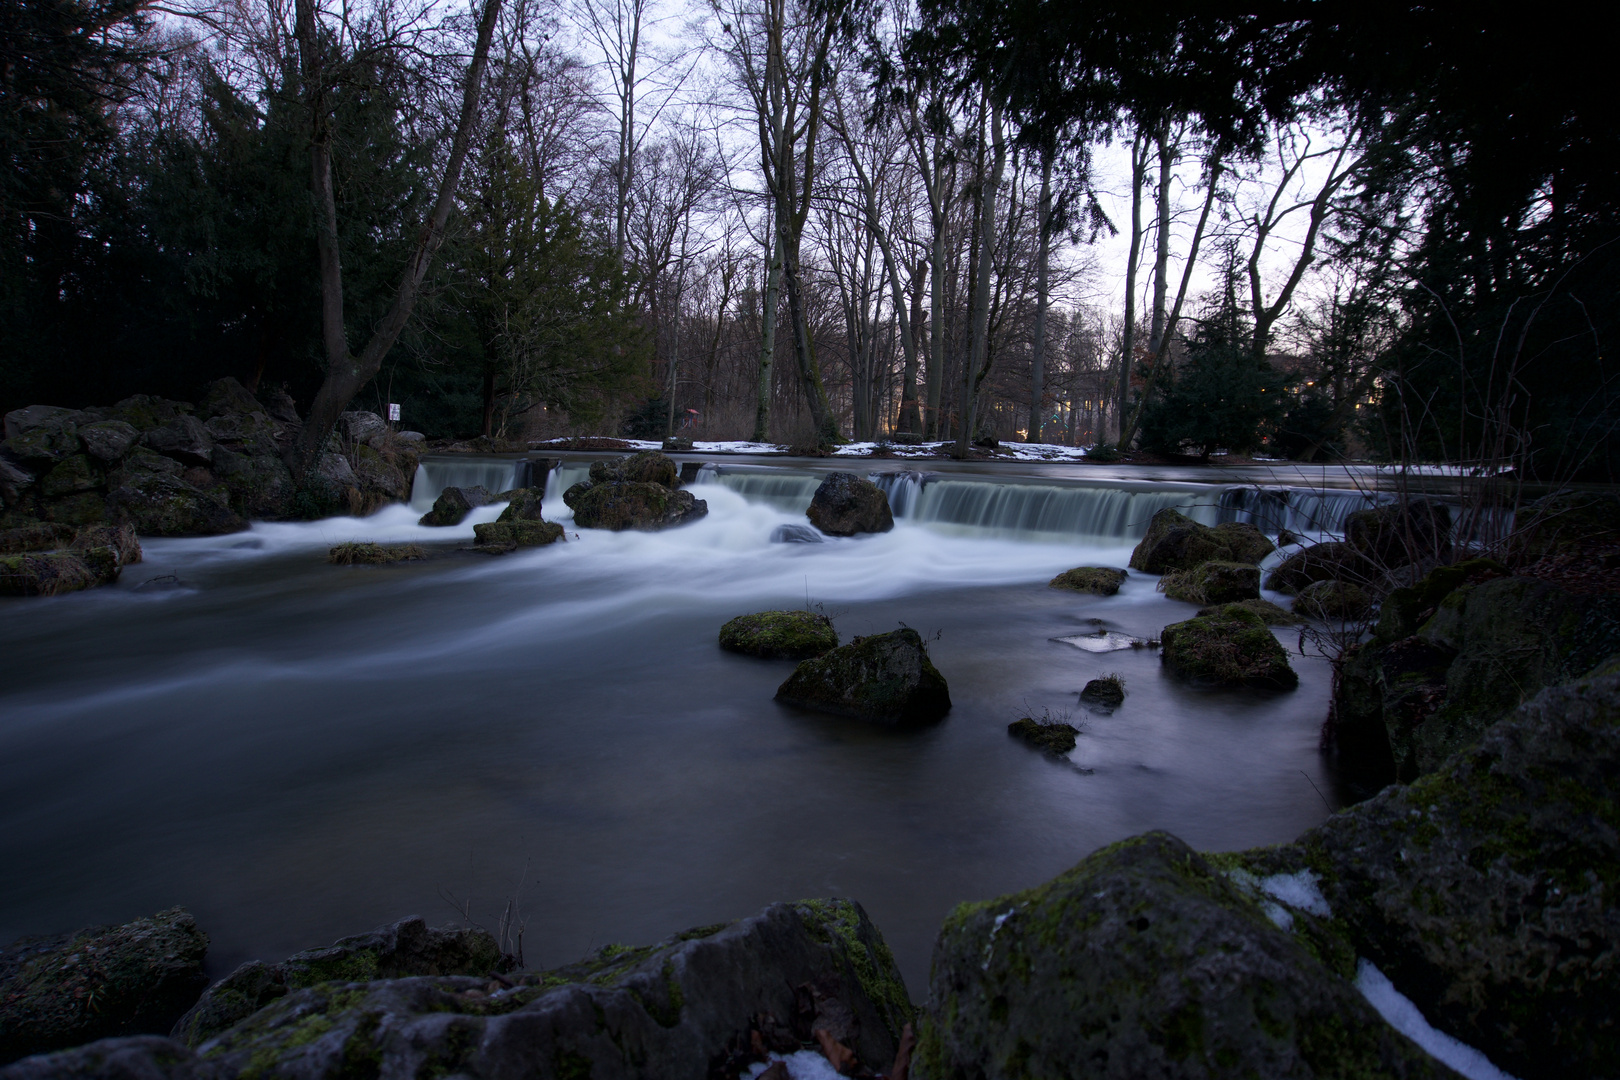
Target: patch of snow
point(1396, 1008)
point(1104, 642)
point(801, 1065)
point(1278, 914)
point(1298, 890)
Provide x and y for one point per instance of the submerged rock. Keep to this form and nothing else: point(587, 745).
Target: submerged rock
point(363, 553)
point(1233, 647)
point(1175, 541)
point(1213, 582)
point(845, 504)
point(1269, 612)
point(780, 635)
point(1052, 736)
point(1108, 692)
point(1144, 961)
point(406, 948)
point(885, 677)
point(454, 504)
point(111, 980)
point(1100, 580)
point(621, 505)
point(795, 534)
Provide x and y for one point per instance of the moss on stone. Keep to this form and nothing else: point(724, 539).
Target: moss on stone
point(1269, 613)
point(869, 954)
point(1231, 648)
point(517, 532)
point(1100, 580)
point(1052, 736)
point(1333, 600)
point(1213, 582)
point(357, 553)
point(780, 635)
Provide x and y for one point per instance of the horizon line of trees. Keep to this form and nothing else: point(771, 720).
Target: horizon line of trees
point(1348, 231)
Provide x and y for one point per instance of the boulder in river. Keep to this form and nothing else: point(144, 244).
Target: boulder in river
point(1213, 582)
point(780, 635)
point(1269, 612)
point(1144, 960)
point(1331, 561)
point(1051, 735)
point(1175, 541)
point(630, 504)
point(365, 553)
point(1334, 600)
point(887, 678)
point(46, 573)
point(454, 504)
point(1232, 647)
point(1401, 533)
point(112, 980)
point(845, 504)
point(1100, 580)
point(1107, 692)
point(499, 537)
point(645, 467)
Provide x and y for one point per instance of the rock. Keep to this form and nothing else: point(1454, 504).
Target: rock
point(85, 508)
point(678, 444)
point(885, 677)
point(1269, 612)
point(572, 495)
point(780, 635)
point(20, 422)
point(1231, 648)
point(1108, 692)
point(1331, 561)
point(404, 949)
point(1333, 600)
point(108, 440)
point(70, 476)
point(1384, 695)
point(1101, 580)
point(1571, 521)
point(454, 504)
point(795, 534)
point(14, 480)
point(845, 504)
point(161, 505)
point(120, 538)
point(1175, 541)
point(46, 573)
point(279, 404)
point(225, 396)
point(357, 553)
point(140, 461)
point(184, 439)
point(245, 433)
point(521, 532)
point(112, 980)
point(1484, 890)
point(687, 1007)
point(1401, 533)
point(1144, 961)
point(260, 486)
point(146, 413)
point(361, 427)
point(379, 479)
point(336, 470)
point(620, 505)
point(646, 467)
point(41, 536)
point(135, 1057)
point(524, 504)
point(1213, 582)
point(1052, 736)
point(410, 437)
point(42, 433)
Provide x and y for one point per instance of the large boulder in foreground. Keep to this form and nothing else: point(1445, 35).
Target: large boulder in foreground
point(405, 948)
point(1144, 961)
point(1175, 541)
point(885, 677)
point(707, 1002)
point(780, 635)
point(1485, 890)
point(112, 980)
point(1232, 647)
point(634, 504)
point(845, 504)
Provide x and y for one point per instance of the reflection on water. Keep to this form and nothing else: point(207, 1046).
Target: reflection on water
point(298, 751)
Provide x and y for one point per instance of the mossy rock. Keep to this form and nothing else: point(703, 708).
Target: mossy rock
point(70, 476)
point(1246, 542)
point(1407, 608)
point(1269, 612)
point(365, 553)
point(1107, 692)
point(454, 504)
point(845, 504)
point(40, 536)
point(887, 678)
point(1214, 582)
point(1331, 561)
point(83, 509)
point(1233, 647)
point(162, 505)
point(1401, 533)
point(1101, 580)
point(1144, 960)
point(49, 573)
point(780, 635)
point(644, 467)
point(1175, 541)
point(621, 505)
point(521, 532)
point(96, 983)
point(523, 504)
point(1054, 737)
point(1572, 521)
point(1486, 890)
point(1334, 600)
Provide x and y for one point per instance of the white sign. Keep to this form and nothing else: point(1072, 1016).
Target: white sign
point(393, 410)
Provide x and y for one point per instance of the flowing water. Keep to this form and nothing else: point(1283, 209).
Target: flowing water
point(297, 751)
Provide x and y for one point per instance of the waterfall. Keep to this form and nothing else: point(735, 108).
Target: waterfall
point(1299, 510)
point(433, 475)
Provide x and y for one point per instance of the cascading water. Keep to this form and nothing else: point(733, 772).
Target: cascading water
point(495, 475)
point(1299, 510)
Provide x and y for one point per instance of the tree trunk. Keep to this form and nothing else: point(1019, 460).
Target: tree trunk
point(1132, 261)
point(909, 420)
point(346, 374)
point(489, 402)
point(1037, 363)
point(978, 361)
point(767, 337)
point(1161, 260)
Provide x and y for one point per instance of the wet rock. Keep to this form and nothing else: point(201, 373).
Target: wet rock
point(1484, 890)
point(845, 504)
point(572, 495)
point(524, 504)
point(108, 440)
point(795, 534)
point(886, 678)
point(184, 439)
point(629, 504)
point(1333, 600)
point(1214, 582)
point(1233, 647)
point(645, 467)
point(46, 573)
point(134, 1057)
point(1144, 960)
point(1270, 613)
point(364, 553)
point(681, 1008)
point(1108, 692)
point(1100, 580)
point(161, 505)
point(1402, 533)
point(516, 533)
point(780, 635)
point(113, 980)
point(1175, 541)
point(1332, 561)
point(454, 504)
point(1051, 736)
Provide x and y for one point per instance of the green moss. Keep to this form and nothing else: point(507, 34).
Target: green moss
point(357, 966)
point(780, 635)
point(1100, 580)
point(1269, 613)
point(358, 553)
point(1052, 736)
point(1231, 648)
point(874, 963)
point(1213, 582)
point(518, 532)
